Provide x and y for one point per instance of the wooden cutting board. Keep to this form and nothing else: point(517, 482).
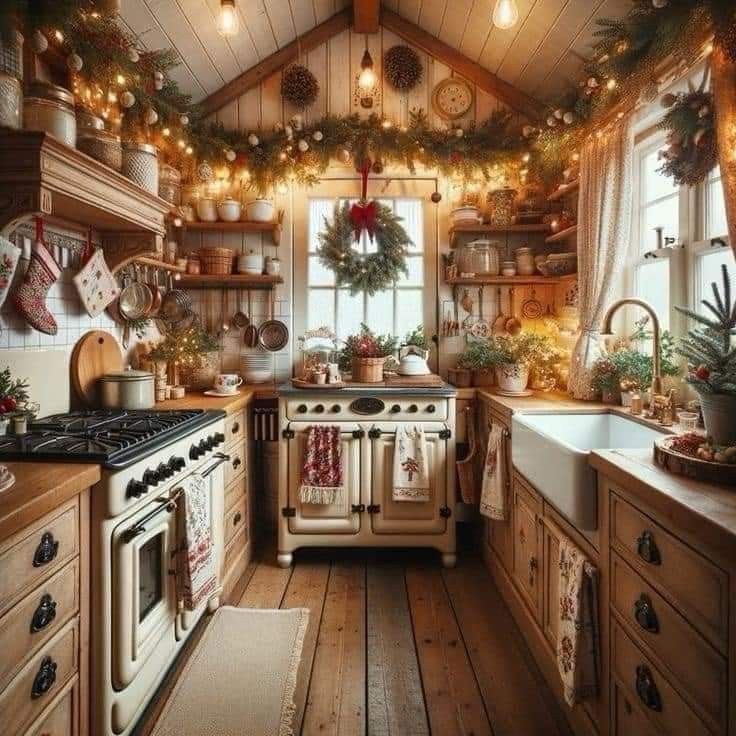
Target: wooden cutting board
point(430, 380)
point(96, 354)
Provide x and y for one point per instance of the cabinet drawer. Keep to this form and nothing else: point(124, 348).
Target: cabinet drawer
point(235, 548)
point(234, 428)
point(40, 551)
point(693, 584)
point(629, 718)
point(235, 466)
point(31, 623)
point(645, 684)
point(60, 719)
point(237, 567)
point(38, 682)
point(234, 492)
point(236, 519)
point(698, 669)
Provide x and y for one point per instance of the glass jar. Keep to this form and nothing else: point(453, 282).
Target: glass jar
point(466, 260)
point(140, 165)
point(485, 258)
point(49, 108)
point(501, 206)
point(525, 265)
point(508, 269)
point(169, 183)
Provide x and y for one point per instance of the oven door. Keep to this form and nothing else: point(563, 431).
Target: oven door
point(144, 595)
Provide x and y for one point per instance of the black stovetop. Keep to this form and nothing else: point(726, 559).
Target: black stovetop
point(114, 438)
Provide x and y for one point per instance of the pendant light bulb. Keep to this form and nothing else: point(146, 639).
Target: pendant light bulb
point(505, 14)
point(367, 78)
point(228, 23)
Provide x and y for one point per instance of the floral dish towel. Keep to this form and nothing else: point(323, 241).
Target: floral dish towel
point(322, 476)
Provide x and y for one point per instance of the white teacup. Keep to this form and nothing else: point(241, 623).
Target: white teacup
point(227, 383)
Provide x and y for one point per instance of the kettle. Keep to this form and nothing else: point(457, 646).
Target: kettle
point(413, 361)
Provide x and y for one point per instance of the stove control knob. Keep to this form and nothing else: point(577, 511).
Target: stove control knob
point(219, 438)
point(319, 409)
point(336, 409)
point(301, 409)
point(395, 409)
point(194, 452)
point(179, 462)
point(163, 472)
point(150, 478)
point(431, 408)
point(202, 446)
point(135, 489)
point(173, 465)
point(413, 409)
point(209, 443)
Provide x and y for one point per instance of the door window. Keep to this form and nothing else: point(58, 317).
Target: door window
point(150, 588)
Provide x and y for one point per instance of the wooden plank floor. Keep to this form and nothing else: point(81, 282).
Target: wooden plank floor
point(397, 646)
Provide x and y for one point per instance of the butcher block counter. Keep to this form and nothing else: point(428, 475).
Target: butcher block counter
point(228, 404)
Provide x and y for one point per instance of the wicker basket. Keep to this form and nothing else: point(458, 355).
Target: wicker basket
point(367, 370)
point(217, 261)
point(460, 377)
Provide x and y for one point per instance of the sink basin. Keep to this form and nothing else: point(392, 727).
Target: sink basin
point(551, 452)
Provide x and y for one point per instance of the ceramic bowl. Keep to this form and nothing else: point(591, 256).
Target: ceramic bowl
point(229, 210)
point(260, 210)
point(468, 213)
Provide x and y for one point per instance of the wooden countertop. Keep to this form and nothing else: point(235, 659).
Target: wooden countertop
point(40, 488)
point(541, 402)
point(228, 404)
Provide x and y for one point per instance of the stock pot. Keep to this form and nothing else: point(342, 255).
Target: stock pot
point(127, 389)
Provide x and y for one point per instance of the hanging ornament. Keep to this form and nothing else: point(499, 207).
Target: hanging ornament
point(436, 197)
point(344, 156)
point(150, 116)
point(205, 172)
point(230, 155)
point(459, 132)
point(289, 131)
point(133, 54)
point(39, 42)
point(74, 62)
point(303, 146)
point(297, 121)
point(299, 86)
point(317, 135)
point(158, 80)
point(592, 82)
point(659, 4)
point(377, 166)
point(558, 113)
point(253, 140)
point(184, 119)
point(568, 118)
point(551, 121)
point(127, 99)
point(402, 68)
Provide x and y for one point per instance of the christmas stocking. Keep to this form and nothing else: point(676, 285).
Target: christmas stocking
point(30, 297)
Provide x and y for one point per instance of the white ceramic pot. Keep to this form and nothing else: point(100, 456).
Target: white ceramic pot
point(468, 213)
point(260, 210)
point(207, 209)
point(512, 377)
point(229, 210)
point(251, 263)
point(127, 389)
point(273, 266)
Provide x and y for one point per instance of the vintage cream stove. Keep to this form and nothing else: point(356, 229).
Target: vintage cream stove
point(368, 516)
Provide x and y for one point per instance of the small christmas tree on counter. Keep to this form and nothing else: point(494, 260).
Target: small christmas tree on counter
point(185, 348)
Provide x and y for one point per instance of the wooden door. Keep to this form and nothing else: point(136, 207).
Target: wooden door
point(527, 546)
point(550, 582)
point(337, 518)
point(404, 517)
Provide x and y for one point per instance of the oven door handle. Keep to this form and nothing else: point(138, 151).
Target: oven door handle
point(221, 458)
point(140, 526)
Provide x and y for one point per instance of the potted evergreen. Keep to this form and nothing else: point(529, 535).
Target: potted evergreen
point(711, 356)
point(365, 354)
point(514, 355)
point(479, 361)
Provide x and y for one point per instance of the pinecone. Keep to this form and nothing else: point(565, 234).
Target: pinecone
point(402, 68)
point(299, 86)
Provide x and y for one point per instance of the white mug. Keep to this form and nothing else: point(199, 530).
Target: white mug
point(227, 383)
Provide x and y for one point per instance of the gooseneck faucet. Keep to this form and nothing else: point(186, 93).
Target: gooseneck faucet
point(656, 357)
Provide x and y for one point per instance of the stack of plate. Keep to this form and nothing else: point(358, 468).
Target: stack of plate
point(256, 367)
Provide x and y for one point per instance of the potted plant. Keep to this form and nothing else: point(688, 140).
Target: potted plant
point(711, 356)
point(605, 379)
point(13, 397)
point(634, 373)
point(513, 356)
point(365, 354)
point(477, 359)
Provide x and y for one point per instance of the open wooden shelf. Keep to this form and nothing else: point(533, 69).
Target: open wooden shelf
point(479, 229)
point(503, 280)
point(242, 226)
point(568, 232)
point(228, 281)
point(563, 190)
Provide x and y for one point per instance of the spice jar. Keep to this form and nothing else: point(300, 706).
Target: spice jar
point(140, 165)
point(49, 108)
point(525, 265)
point(273, 265)
point(101, 145)
point(508, 269)
point(169, 183)
point(501, 206)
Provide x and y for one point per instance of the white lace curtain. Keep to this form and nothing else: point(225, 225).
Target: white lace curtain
point(604, 227)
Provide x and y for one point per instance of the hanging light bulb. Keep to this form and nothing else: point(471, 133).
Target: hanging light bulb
point(367, 78)
point(228, 23)
point(505, 14)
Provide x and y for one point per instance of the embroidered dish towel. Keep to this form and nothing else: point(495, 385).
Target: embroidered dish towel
point(493, 486)
point(196, 573)
point(322, 480)
point(577, 639)
point(411, 479)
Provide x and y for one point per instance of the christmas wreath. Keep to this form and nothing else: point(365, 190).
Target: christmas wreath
point(370, 272)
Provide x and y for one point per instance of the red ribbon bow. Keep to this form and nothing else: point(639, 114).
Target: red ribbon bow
point(363, 214)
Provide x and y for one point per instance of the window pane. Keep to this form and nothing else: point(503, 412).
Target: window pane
point(653, 285)
point(715, 208)
point(321, 309)
point(664, 214)
point(415, 264)
point(409, 310)
point(319, 209)
point(318, 274)
point(411, 212)
point(654, 184)
point(380, 315)
point(709, 271)
point(349, 313)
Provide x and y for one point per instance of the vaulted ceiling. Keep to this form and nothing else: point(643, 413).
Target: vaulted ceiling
point(542, 54)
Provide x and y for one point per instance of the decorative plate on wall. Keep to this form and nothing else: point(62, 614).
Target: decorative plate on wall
point(452, 98)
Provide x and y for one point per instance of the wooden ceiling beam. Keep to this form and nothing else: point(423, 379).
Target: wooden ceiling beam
point(471, 70)
point(366, 15)
point(279, 59)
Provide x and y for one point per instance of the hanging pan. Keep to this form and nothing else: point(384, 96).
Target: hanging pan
point(273, 334)
point(531, 308)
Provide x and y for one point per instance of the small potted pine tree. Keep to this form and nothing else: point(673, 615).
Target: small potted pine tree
point(711, 356)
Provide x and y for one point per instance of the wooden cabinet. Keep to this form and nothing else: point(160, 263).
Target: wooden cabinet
point(527, 545)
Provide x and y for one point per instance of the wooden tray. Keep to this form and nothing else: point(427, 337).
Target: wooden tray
point(692, 467)
point(431, 380)
point(323, 386)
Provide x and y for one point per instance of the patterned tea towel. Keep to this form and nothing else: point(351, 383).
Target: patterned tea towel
point(322, 481)
point(493, 503)
point(411, 479)
point(196, 574)
point(577, 640)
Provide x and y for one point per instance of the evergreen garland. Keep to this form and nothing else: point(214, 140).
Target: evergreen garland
point(372, 272)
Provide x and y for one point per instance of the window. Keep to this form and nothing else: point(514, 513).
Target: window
point(708, 262)
point(658, 202)
point(715, 206)
point(395, 310)
point(652, 285)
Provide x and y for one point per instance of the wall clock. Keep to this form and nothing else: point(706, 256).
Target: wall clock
point(452, 98)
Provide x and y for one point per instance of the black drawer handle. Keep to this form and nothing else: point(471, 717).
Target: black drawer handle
point(46, 551)
point(44, 679)
point(645, 615)
point(44, 614)
point(646, 689)
point(237, 518)
point(647, 548)
point(235, 428)
point(237, 463)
